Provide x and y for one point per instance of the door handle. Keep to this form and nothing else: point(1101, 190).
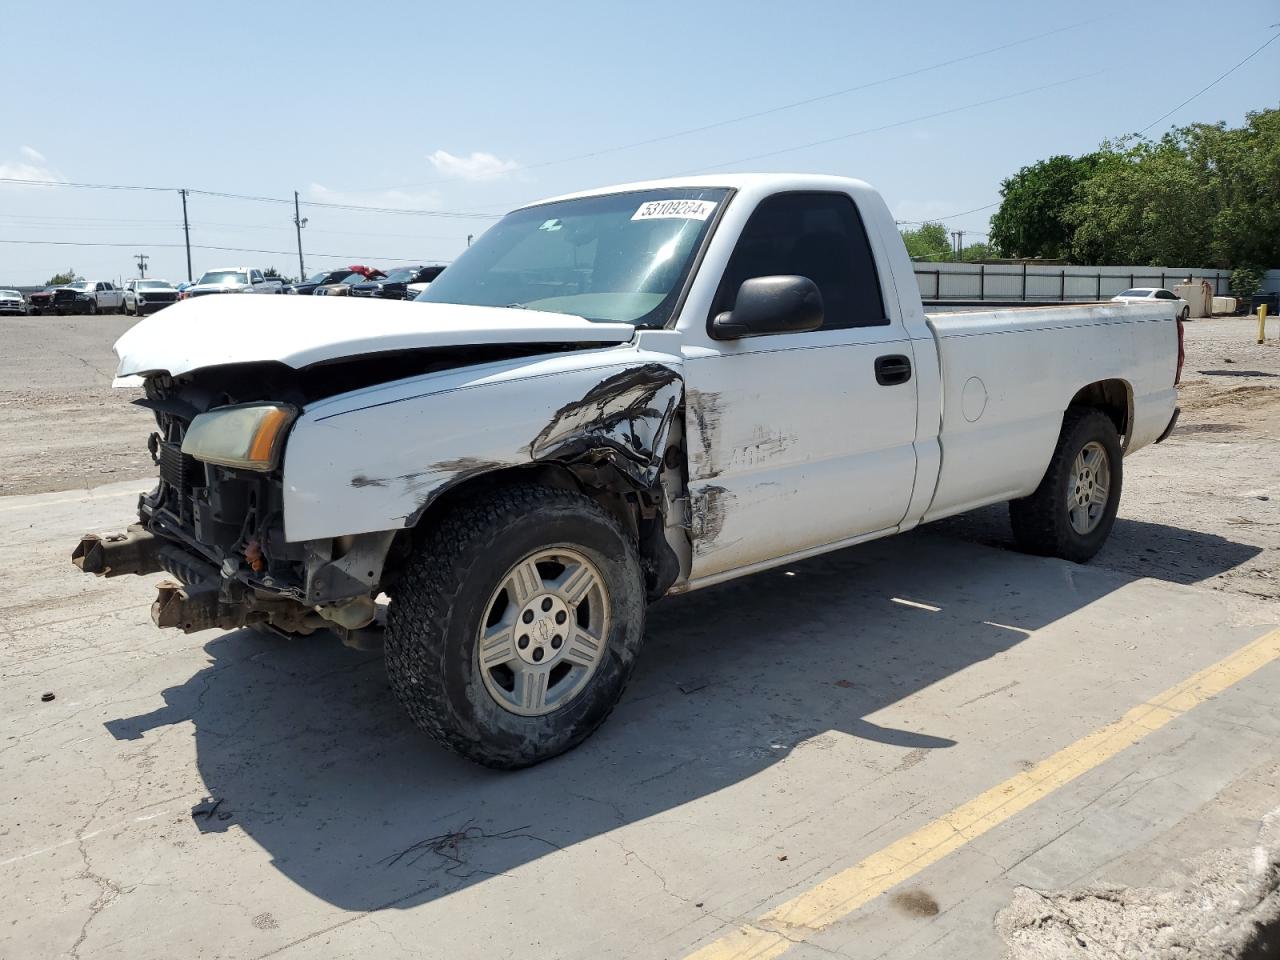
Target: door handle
point(892, 370)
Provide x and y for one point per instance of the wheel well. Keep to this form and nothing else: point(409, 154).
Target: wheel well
point(639, 516)
point(1112, 397)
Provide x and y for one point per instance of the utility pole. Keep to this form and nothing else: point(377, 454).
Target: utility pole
point(186, 232)
point(469, 236)
point(142, 265)
point(299, 222)
point(959, 244)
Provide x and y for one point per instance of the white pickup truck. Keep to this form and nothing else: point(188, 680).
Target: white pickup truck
point(610, 397)
point(234, 280)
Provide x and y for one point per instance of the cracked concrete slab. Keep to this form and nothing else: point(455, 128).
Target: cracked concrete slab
point(1223, 903)
point(834, 721)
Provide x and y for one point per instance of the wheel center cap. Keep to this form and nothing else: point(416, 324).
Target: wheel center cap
point(541, 629)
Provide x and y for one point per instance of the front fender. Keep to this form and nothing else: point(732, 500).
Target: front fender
point(375, 459)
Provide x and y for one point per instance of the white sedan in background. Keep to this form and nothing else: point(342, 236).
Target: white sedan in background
point(1148, 294)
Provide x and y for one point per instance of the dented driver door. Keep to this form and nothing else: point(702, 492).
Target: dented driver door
point(797, 441)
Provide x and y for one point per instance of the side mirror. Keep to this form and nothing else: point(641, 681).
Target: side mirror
point(765, 305)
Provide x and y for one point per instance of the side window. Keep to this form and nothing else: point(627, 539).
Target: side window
point(1165, 295)
point(255, 276)
point(814, 235)
point(100, 286)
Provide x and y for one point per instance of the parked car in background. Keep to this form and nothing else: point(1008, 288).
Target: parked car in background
point(41, 301)
point(1156, 294)
point(307, 287)
point(343, 287)
point(234, 280)
point(13, 303)
point(147, 296)
point(415, 290)
point(88, 296)
point(395, 285)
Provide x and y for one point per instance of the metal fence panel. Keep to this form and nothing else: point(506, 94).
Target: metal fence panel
point(1013, 281)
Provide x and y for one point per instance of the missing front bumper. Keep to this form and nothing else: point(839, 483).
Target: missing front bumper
point(136, 551)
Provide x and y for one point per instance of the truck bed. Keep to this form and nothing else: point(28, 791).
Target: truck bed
point(1004, 372)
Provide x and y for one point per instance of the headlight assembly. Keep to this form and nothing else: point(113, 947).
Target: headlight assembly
point(249, 436)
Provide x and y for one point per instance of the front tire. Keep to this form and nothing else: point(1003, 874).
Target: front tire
point(1185, 315)
point(1072, 511)
point(92, 309)
point(514, 629)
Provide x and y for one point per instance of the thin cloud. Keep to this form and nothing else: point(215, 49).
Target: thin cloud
point(19, 170)
point(32, 154)
point(475, 166)
point(397, 199)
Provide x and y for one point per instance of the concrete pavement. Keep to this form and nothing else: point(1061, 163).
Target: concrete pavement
point(237, 795)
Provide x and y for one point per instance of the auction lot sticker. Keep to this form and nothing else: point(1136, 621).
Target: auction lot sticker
point(675, 210)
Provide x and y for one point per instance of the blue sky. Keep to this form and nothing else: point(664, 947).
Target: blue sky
point(478, 107)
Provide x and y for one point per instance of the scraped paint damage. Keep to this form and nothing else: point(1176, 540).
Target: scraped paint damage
point(624, 420)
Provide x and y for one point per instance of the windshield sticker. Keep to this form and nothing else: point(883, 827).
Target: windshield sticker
point(551, 225)
point(675, 210)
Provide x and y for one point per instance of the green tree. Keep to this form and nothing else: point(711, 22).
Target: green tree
point(61, 279)
point(1204, 195)
point(1246, 281)
point(930, 241)
point(1145, 203)
point(978, 251)
point(1032, 219)
point(1243, 168)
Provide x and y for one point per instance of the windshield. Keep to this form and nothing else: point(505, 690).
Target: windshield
point(621, 257)
point(225, 277)
point(82, 285)
point(9, 293)
point(152, 284)
point(319, 277)
point(401, 274)
point(1135, 292)
point(353, 278)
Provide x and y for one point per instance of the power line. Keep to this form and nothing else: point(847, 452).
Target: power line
point(717, 124)
point(37, 221)
point(450, 214)
point(200, 246)
point(1224, 76)
point(896, 123)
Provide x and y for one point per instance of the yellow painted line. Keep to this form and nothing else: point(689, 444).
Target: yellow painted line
point(838, 896)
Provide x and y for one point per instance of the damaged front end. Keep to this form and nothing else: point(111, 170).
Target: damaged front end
point(217, 528)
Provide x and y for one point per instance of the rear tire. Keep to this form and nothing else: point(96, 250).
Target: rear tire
point(1072, 511)
point(1185, 315)
point(92, 309)
point(464, 582)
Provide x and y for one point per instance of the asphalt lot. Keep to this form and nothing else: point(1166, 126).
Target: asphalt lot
point(878, 753)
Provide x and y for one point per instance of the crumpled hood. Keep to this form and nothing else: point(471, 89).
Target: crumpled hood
point(300, 331)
